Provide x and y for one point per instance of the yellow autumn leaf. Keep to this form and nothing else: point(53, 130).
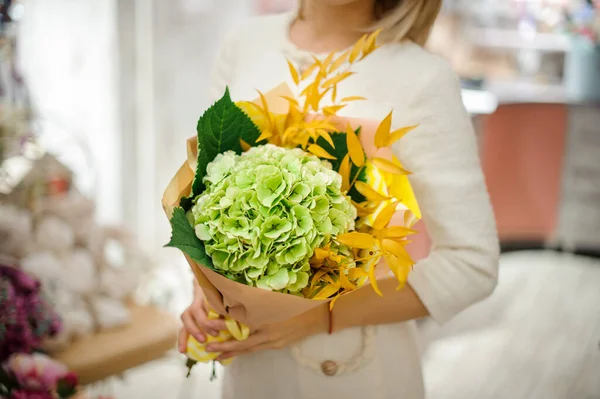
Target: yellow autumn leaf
point(291, 100)
point(332, 110)
point(352, 98)
point(308, 71)
point(389, 166)
point(326, 136)
point(396, 249)
point(383, 131)
point(319, 152)
point(334, 94)
point(322, 253)
point(397, 232)
point(265, 135)
point(401, 189)
point(294, 73)
point(371, 43)
point(362, 210)
point(357, 49)
point(245, 146)
point(325, 63)
point(373, 279)
point(357, 240)
point(355, 149)
point(398, 134)
point(337, 79)
point(345, 173)
point(398, 268)
point(356, 273)
point(369, 193)
point(263, 101)
point(344, 282)
point(327, 291)
point(385, 216)
point(339, 61)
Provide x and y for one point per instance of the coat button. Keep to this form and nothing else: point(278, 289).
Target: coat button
point(329, 368)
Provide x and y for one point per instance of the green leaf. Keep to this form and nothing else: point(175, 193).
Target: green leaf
point(219, 129)
point(339, 152)
point(184, 238)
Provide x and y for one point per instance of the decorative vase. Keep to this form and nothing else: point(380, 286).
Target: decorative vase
point(582, 71)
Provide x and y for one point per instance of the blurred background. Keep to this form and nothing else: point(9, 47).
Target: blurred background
point(98, 97)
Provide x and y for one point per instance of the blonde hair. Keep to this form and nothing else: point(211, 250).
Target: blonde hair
point(406, 19)
point(402, 20)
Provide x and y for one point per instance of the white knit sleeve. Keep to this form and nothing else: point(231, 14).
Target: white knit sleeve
point(224, 68)
point(462, 266)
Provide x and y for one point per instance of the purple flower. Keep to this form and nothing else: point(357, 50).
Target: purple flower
point(25, 318)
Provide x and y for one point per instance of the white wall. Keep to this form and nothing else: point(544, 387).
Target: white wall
point(68, 56)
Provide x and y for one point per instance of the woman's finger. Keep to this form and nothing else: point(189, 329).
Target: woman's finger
point(238, 346)
point(199, 314)
point(182, 340)
point(191, 326)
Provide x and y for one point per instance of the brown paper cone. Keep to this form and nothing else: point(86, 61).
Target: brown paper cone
point(253, 306)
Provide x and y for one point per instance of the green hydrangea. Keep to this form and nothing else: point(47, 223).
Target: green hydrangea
point(264, 212)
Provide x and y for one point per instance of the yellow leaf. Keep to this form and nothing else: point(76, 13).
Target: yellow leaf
point(397, 232)
point(398, 134)
point(319, 151)
point(318, 98)
point(356, 273)
point(371, 43)
point(337, 79)
point(357, 49)
point(357, 240)
point(334, 94)
point(373, 279)
point(308, 71)
point(396, 249)
point(291, 100)
point(345, 173)
point(352, 98)
point(401, 189)
point(331, 110)
point(398, 268)
point(339, 61)
point(245, 146)
point(293, 72)
point(357, 154)
point(383, 131)
point(368, 192)
point(385, 216)
point(327, 291)
point(266, 134)
point(344, 282)
point(389, 166)
point(326, 63)
point(362, 210)
point(264, 103)
point(322, 253)
point(326, 136)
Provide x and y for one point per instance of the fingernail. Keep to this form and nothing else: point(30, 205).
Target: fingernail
point(210, 348)
point(213, 333)
point(200, 338)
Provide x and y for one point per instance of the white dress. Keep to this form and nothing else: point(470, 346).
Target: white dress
point(380, 362)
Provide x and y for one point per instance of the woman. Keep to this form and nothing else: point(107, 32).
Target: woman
point(374, 354)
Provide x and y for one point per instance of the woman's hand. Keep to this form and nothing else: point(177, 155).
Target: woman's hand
point(276, 336)
point(196, 322)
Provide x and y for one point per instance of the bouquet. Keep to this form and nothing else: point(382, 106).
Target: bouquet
point(283, 204)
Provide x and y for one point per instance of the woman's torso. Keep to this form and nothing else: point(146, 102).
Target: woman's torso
point(390, 366)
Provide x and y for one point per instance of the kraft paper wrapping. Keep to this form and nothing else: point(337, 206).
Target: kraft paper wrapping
point(254, 306)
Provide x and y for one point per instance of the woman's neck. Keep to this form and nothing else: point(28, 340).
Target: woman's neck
point(322, 28)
